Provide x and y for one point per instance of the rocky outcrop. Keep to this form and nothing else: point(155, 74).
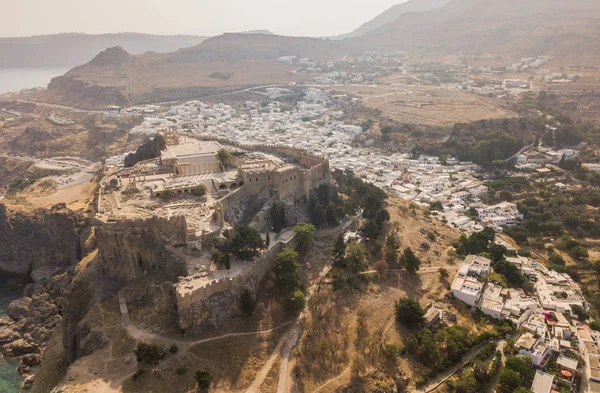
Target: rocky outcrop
point(126, 253)
point(210, 313)
point(76, 92)
point(28, 325)
point(43, 239)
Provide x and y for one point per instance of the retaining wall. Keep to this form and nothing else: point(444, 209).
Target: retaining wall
point(250, 276)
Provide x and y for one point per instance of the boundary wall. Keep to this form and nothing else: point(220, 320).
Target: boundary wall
point(251, 275)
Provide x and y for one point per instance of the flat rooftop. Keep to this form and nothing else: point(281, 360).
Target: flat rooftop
point(189, 149)
point(542, 383)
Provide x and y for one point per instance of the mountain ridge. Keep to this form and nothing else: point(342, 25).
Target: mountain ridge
point(71, 49)
point(391, 14)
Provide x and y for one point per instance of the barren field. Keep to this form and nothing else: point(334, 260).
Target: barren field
point(428, 105)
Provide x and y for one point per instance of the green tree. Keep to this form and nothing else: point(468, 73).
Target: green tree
point(149, 353)
point(305, 233)
point(247, 243)
point(317, 214)
point(410, 261)
point(286, 270)
point(224, 157)
point(331, 215)
point(595, 325)
point(497, 252)
point(392, 244)
point(520, 364)
point(582, 315)
point(444, 274)
point(467, 383)
point(409, 312)
point(267, 239)
point(509, 380)
point(356, 257)
point(204, 378)
point(339, 251)
point(295, 301)
point(247, 302)
point(278, 217)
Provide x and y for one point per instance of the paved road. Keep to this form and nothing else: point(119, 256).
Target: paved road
point(496, 378)
point(74, 109)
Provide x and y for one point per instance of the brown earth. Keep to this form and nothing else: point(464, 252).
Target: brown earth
point(426, 105)
point(512, 28)
point(333, 321)
point(118, 78)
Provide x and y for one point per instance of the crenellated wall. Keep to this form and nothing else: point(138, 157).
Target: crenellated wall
point(208, 306)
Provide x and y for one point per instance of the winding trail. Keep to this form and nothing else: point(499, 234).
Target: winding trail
point(183, 345)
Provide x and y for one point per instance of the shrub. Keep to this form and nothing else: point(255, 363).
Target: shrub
point(138, 374)
point(295, 302)
point(556, 259)
point(409, 312)
point(149, 353)
point(181, 370)
point(174, 349)
point(204, 378)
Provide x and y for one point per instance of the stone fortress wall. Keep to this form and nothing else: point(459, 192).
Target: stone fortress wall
point(248, 279)
point(217, 300)
point(314, 169)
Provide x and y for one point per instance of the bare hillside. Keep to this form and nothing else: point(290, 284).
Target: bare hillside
point(393, 13)
point(563, 29)
point(226, 63)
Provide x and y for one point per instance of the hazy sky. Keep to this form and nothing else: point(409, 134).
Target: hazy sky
point(200, 17)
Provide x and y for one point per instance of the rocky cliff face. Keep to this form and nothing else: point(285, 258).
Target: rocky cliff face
point(39, 244)
point(124, 256)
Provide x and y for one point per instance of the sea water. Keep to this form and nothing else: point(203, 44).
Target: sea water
point(14, 79)
point(10, 380)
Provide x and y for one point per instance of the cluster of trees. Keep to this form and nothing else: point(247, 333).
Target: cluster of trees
point(325, 205)
point(488, 142)
point(246, 244)
point(366, 196)
point(557, 214)
point(288, 281)
point(476, 379)
point(478, 243)
point(149, 353)
point(442, 348)
point(409, 312)
point(482, 243)
point(516, 376)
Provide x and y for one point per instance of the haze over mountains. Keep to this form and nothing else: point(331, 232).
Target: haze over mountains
point(72, 49)
point(509, 28)
point(224, 63)
point(393, 13)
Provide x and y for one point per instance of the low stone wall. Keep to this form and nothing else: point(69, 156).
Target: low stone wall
point(207, 307)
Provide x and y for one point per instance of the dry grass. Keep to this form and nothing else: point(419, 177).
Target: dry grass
point(427, 105)
point(359, 319)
